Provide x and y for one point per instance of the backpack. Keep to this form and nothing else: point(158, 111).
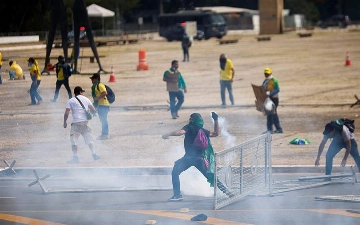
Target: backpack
point(350, 124)
point(110, 94)
point(201, 140)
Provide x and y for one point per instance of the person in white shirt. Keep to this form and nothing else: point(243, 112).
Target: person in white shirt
point(80, 123)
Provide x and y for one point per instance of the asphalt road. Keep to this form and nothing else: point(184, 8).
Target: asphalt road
point(145, 201)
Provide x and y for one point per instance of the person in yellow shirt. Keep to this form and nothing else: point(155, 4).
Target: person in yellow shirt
point(15, 71)
point(99, 93)
point(35, 76)
point(227, 74)
point(63, 72)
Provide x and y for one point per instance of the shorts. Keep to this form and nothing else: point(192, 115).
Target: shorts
point(83, 129)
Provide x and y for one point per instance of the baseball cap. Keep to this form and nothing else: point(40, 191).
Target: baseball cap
point(328, 128)
point(78, 90)
point(267, 71)
point(95, 75)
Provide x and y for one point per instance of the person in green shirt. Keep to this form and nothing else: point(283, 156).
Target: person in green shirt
point(175, 85)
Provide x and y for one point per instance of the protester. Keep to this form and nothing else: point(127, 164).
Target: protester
point(63, 73)
point(203, 160)
point(272, 88)
point(341, 138)
point(185, 45)
point(36, 80)
point(176, 86)
point(227, 74)
point(15, 71)
point(101, 103)
point(80, 123)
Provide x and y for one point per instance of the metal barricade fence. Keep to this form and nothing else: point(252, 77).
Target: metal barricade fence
point(243, 170)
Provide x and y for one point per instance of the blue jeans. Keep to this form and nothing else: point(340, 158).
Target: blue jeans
point(226, 84)
point(12, 75)
point(103, 112)
point(335, 148)
point(34, 94)
point(174, 108)
point(185, 163)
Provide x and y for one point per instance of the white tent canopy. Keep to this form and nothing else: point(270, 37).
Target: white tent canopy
point(94, 10)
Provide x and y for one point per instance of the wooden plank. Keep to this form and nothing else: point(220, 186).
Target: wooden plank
point(263, 38)
point(228, 41)
point(260, 95)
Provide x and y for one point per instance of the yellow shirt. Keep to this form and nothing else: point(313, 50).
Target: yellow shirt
point(34, 68)
point(100, 88)
point(61, 74)
point(18, 70)
point(0, 59)
point(227, 73)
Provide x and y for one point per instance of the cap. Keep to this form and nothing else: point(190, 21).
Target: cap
point(267, 71)
point(95, 75)
point(78, 90)
point(328, 128)
point(31, 59)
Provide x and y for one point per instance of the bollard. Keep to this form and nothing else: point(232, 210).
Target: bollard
point(142, 60)
point(92, 59)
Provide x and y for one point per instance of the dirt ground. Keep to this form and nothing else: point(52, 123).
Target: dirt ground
point(316, 87)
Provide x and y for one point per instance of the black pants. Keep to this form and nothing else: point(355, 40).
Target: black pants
point(274, 119)
point(64, 82)
point(186, 53)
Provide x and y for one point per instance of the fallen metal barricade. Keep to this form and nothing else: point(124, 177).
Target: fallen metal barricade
point(9, 169)
point(45, 190)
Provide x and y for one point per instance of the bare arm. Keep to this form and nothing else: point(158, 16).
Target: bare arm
point(102, 95)
point(321, 149)
point(92, 109)
point(233, 74)
point(66, 115)
point(216, 131)
point(173, 133)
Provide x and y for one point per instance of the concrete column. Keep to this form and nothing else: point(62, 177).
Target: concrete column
point(271, 18)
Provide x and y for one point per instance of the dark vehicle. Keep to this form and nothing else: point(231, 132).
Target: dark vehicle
point(209, 23)
point(177, 31)
point(341, 21)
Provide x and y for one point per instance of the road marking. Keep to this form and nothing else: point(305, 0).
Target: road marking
point(335, 212)
point(182, 216)
point(25, 220)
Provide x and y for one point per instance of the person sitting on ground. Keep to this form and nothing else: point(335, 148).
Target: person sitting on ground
point(15, 71)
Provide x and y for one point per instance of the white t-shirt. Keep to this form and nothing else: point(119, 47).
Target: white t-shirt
point(78, 113)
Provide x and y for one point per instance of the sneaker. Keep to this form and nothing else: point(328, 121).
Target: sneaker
point(278, 131)
point(175, 198)
point(173, 116)
point(103, 137)
point(53, 100)
point(74, 160)
point(268, 131)
point(95, 157)
point(39, 102)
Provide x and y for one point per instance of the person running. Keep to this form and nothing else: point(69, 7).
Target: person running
point(176, 86)
point(63, 73)
point(80, 124)
point(36, 80)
